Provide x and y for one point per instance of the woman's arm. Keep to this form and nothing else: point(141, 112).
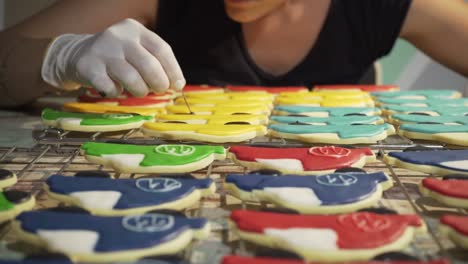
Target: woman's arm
point(440, 29)
point(22, 47)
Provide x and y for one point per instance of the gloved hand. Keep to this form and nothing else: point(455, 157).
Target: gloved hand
point(126, 55)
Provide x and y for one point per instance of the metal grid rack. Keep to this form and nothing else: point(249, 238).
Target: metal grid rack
point(56, 152)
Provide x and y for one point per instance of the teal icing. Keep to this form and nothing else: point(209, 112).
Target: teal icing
point(458, 102)
point(462, 120)
point(427, 93)
point(339, 120)
point(344, 131)
point(441, 110)
point(89, 119)
point(434, 129)
point(332, 111)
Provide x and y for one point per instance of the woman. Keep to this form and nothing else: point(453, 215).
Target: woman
point(157, 45)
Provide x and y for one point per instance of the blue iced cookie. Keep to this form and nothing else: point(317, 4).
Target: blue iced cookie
point(458, 102)
point(324, 194)
point(339, 120)
point(333, 134)
point(87, 238)
point(418, 94)
point(103, 196)
point(450, 134)
point(325, 111)
point(428, 111)
point(440, 162)
point(398, 119)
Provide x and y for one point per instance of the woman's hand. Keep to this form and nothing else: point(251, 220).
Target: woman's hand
point(126, 55)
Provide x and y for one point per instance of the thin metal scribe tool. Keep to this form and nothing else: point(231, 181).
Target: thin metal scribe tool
point(186, 103)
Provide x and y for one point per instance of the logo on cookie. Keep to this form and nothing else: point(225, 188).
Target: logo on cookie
point(330, 151)
point(365, 222)
point(158, 184)
point(175, 150)
point(148, 223)
point(337, 179)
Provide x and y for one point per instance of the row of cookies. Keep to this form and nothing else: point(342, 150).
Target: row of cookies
point(434, 115)
point(313, 195)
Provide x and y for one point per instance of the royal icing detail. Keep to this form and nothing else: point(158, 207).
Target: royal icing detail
point(148, 223)
point(169, 154)
point(330, 189)
point(343, 131)
point(361, 87)
point(453, 188)
point(135, 232)
point(338, 120)
point(419, 94)
point(92, 119)
point(219, 110)
point(132, 193)
point(310, 162)
point(354, 231)
point(330, 151)
point(214, 119)
point(326, 111)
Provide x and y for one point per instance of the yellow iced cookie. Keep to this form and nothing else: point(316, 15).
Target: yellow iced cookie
point(219, 110)
point(222, 102)
point(214, 119)
point(206, 133)
point(325, 102)
point(251, 96)
point(100, 108)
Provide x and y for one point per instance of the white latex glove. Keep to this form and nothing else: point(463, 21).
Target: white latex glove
point(126, 55)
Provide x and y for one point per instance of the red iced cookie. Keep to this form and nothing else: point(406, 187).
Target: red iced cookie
point(129, 101)
point(458, 223)
point(453, 188)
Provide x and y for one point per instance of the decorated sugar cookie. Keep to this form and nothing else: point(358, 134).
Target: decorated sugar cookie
point(324, 102)
point(202, 102)
point(273, 90)
point(330, 238)
point(252, 96)
point(168, 94)
point(339, 120)
point(315, 160)
point(102, 196)
point(459, 102)
point(440, 162)
point(399, 119)
point(266, 260)
point(428, 111)
point(219, 110)
point(88, 238)
point(204, 132)
point(333, 134)
point(326, 111)
point(64, 260)
point(214, 119)
point(324, 194)
point(92, 122)
point(451, 134)
point(202, 89)
point(419, 94)
point(7, 179)
point(328, 94)
point(451, 192)
point(456, 228)
point(152, 158)
point(129, 101)
point(14, 202)
point(361, 87)
point(112, 109)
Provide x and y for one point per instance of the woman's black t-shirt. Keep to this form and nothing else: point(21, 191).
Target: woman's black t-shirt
point(211, 50)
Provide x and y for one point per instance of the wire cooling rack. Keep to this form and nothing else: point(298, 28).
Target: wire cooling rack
point(57, 152)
